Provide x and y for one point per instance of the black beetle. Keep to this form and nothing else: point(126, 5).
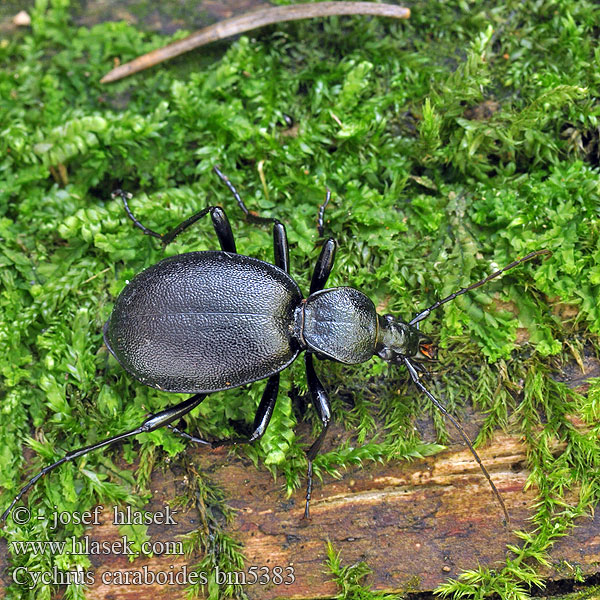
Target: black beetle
point(203, 322)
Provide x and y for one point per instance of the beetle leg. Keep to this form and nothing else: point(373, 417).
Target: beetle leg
point(281, 248)
point(151, 423)
point(282, 253)
point(187, 436)
point(323, 407)
point(262, 417)
point(220, 224)
point(280, 243)
point(249, 215)
point(323, 266)
point(219, 218)
point(261, 420)
point(415, 377)
point(265, 408)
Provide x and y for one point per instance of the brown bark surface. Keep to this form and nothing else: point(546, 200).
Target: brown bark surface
point(415, 524)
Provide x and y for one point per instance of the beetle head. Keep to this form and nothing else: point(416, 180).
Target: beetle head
point(397, 340)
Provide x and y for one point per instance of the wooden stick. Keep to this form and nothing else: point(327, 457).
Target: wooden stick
point(253, 20)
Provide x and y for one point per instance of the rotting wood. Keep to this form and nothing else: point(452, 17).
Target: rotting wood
point(415, 524)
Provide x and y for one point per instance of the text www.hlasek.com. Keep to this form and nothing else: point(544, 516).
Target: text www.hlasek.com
point(86, 546)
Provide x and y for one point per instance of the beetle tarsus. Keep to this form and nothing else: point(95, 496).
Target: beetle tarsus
point(187, 436)
point(253, 218)
point(219, 219)
point(125, 196)
point(321, 213)
point(308, 490)
point(261, 419)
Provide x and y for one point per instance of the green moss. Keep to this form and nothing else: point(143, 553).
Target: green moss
point(349, 579)
point(589, 593)
point(455, 141)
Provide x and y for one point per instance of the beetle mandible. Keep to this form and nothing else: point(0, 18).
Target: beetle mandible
point(203, 322)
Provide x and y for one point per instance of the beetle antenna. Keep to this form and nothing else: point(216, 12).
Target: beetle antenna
point(424, 314)
point(415, 377)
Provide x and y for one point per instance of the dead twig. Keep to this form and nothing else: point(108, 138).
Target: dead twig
point(253, 20)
